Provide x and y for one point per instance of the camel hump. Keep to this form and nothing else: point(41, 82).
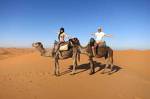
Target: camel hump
point(64, 46)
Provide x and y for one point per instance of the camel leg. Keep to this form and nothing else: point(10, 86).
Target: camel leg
point(75, 53)
point(111, 60)
point(55, 68)
point(107, 64)
point(111, 68)
point(74, 65)
point(57, 71)
point(91, 66)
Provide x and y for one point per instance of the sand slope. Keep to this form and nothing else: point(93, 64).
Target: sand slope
point(11, 52)
point(30, 76)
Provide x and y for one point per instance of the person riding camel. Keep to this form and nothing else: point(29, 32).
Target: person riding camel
point(99, 39)
point(61, 37)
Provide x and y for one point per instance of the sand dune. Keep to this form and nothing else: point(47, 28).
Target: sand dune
point(30, 76)
point(10, 52)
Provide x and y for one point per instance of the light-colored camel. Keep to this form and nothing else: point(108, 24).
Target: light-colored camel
point(72, 52)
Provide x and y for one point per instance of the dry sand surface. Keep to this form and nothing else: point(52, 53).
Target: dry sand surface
point(27, 75)
point(10, 52)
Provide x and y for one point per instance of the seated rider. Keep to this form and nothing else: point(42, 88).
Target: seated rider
point(61, 37)
point(99, 39)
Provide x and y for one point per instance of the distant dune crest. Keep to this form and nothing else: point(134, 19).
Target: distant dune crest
point(11, 52)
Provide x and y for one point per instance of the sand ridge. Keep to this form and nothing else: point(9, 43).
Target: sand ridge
point(11, 52)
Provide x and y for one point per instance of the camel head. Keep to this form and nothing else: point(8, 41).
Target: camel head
point(74, 42)
point(42, 50)
point(37, 45)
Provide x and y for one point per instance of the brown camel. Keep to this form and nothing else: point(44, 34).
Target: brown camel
point(102, 51)
point(72, 52)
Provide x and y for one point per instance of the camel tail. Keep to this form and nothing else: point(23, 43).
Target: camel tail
point(112, 60)
point(111, 57)
point(78, 55)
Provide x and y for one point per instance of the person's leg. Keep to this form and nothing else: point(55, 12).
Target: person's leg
point(98, 45)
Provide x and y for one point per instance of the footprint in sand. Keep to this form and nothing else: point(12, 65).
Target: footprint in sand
point(41, 74)
point(30, 81)
point(9, 78)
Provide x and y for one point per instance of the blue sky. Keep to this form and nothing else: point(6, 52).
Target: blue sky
point(25, 21)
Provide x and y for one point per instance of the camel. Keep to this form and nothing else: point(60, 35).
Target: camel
point(102, 52)
point(72, 52)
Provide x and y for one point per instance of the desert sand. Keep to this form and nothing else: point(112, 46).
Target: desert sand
point(27, 75)
point(10, 52)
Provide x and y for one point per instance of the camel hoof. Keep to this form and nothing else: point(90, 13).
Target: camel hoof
point(72, 73)
point(91, 73)
point(103, 72)
point(54, 74)
point(110, 73)
point(57, 75)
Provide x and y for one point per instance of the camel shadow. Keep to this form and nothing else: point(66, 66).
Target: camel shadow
point(86, 66)
point(115, 69)
point(100, 66)
point(81, 68)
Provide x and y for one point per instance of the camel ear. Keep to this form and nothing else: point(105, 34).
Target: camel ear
point(70, 40)
point(32, 44)
point(39, 43)
point(75, 39)
point(55, 42)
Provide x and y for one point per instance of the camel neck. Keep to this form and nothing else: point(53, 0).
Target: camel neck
point(42, 50)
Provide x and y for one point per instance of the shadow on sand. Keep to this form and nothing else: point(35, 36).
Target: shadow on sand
point(84, 67)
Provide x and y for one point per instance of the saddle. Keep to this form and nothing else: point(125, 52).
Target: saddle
point(64, 46)
point(95, 46)
point(101, 44)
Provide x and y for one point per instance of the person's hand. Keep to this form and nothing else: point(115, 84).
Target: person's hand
point(108, 35)
point(57, 32)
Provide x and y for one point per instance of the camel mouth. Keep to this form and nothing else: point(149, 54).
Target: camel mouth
point(35, 45)
point(32, 44)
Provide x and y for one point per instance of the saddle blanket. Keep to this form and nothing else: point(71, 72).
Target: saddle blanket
point(64, 47)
